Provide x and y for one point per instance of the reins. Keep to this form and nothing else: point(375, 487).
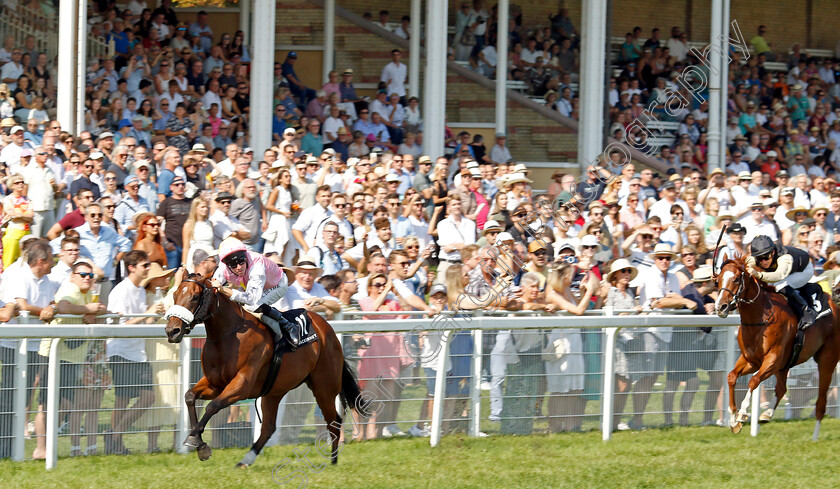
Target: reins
point(737, 299)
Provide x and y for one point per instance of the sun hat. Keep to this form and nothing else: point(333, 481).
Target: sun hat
point(791, 214)
point(307, 262)
point(702, 274)
point(662, 249)
point(156, 271)
point(619, 265)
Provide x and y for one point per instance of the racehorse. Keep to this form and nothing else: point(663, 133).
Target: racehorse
point(766, 337)
point(236, 359)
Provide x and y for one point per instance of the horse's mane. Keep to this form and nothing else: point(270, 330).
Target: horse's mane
point(740, 262)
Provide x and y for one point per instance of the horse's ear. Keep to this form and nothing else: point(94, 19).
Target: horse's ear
point(725, 258)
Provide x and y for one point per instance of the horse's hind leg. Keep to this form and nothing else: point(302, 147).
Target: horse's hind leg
point(781, 388)
point(269, 425)
point(326, 399)
point(826, 363)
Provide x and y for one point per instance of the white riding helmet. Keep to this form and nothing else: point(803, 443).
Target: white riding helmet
point(229, 246)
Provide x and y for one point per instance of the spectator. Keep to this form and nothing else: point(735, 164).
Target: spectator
point(174, 210)
point(149, 239)
point(17, 209)
point(395, 74)
point(127, 358)
point(247, 208)
point(102, 245)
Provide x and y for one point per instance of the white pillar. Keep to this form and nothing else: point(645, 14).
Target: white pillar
point(414, 49)
point(66, 97)
point(329, 39)
point(724, 84)
point(245, 21)
point(81, 66)
point(592, 57)
point(501, 66)
point(262, 75)
point(715, 107)
point(434, 103)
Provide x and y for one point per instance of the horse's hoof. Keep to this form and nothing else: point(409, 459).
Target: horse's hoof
point(240, 465)
point(204, 452)
point(193, 441)
point(743, 418)
point(766, 416)
point(736, 428)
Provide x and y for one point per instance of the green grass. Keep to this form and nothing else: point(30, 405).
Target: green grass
point(781, 456)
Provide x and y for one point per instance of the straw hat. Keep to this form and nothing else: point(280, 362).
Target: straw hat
point(156, 271)
point(491, 225)
point(817, 208)
point(663, 249)
point(791, 214)
point(619, 265)
point(516, 178)
point(521, 168)
point(138, 218)
point(307, 263)
point(702, 274)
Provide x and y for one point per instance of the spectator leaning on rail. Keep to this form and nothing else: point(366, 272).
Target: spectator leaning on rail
point(787, 269)
point(255, 282)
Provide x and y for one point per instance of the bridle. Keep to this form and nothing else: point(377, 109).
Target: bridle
point(186, 316)
point(737, 299)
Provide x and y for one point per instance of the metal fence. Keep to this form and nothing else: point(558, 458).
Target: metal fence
point(481, 375)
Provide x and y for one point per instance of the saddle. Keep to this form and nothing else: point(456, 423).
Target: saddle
point(300, 320)
point(815, 297)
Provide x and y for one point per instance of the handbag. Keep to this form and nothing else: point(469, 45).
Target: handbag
point(269, 234)
point(467, 37)
point(554, 351)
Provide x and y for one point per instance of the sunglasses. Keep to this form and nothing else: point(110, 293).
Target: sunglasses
point(380, 284)
point(588, 247)
point(415, 247)
point(541, 253)
point(85, 274)
point(663, 258)
point(95, 215)
point(234, 261)
point(153, 224)
point(110, 206)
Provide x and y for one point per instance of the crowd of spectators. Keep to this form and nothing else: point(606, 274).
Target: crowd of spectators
point(372, 225)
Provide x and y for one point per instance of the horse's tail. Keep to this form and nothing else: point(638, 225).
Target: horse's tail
point(351, 394)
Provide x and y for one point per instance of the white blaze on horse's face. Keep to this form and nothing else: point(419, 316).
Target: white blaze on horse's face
point(727, 278)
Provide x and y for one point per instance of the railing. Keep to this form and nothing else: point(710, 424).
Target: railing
point(522, 383)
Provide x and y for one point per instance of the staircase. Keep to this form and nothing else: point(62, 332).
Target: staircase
point(537, 134)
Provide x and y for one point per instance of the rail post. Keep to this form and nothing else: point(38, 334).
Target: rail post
point(19, 429)
point(53, 377)
point(609, 384)
point(182, 423)
point(440, 392)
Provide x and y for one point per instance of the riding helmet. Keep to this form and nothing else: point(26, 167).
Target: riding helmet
point(762, 245)
point(230, 246)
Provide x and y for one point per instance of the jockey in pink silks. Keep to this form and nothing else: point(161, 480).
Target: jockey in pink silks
point(255, 282)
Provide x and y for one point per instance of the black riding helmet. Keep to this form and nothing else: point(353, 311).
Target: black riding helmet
point(762, 246)
point(235, 258)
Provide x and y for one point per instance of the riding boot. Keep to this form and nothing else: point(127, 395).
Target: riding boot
point(806, 313)
point(280, 326)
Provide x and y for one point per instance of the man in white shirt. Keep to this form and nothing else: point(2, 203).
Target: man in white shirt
point(400, 264)
point(339, 208)
point(12, 70)
point(132, 373)
point(662, 208)
point(415, 225)
point(41, 185)
point(306, 293)
point(68, 255)
point(226, 165)
point(382, 239)
point(756, 224)
point(11, 153)
point(454, 232)
point(332, 124)
point(305, 229)
point(530, 53)
point(500, 152)
point(33, 291)
point(224, 224)
point(395, 74)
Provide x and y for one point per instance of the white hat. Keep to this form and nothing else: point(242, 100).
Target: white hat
point(663, 249)
point(140, 163)
point(289, 130)
point(351, 162)
point(475, 172)
point(307, 262)
point(491, 224)
point(702, 274)
point(505, 236)
point(521, 168)
point(96, 155)
point(771, 153)
point(744, 175)
point(16, 129)
point(588, 240)
point(392, 178)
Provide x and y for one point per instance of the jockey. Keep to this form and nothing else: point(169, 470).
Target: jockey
point(786, 268)
point(257, 284)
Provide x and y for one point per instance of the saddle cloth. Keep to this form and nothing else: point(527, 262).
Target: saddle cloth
point(300, 320)
point(816, 298)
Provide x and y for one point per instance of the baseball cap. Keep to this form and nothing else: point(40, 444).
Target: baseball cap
point(504, 237)
point(787, 191)
point(16, 129)
point(106, 135)
point(289, 130)
point(392, 178)
point(535, 245)
point(292, 54)
point(26, 153)
point(96, 155)
point(437, 289)
point(124, 123)
point(132, 179)
point(142, 164)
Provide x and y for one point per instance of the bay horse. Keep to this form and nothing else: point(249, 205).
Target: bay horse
point(766, 338)
point(236, 359)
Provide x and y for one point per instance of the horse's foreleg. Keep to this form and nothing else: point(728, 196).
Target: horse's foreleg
point(201, 390)
point(269, 425)
point(237, 390)
point(741, 367)
point(768, 367)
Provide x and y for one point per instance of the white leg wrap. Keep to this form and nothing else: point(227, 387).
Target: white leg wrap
point(745, 405)
point(249, 458)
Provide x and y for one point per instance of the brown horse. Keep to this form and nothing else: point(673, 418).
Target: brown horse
point(766, 337)
point(236, 361)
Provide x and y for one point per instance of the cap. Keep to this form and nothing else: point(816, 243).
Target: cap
point(787, 191)
point(500, 135)
point(26, 153)
point(566, 245)
point(772, 154)
point(131, 179)
point(392, 178)
point(83, 148)
point(292, 54)
point(437, 289)
point(177, 180)
point(124, 123)
point(535, 245)
point(311, 160)
point(247, 150)
point(106, 135)
point(16, 129)
point(328, 151)
point(142, 164)
point(289, 130)
point(589, 240)
point(96, 155)
point(667, 185)
point(782, 173)
point(137, 118)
